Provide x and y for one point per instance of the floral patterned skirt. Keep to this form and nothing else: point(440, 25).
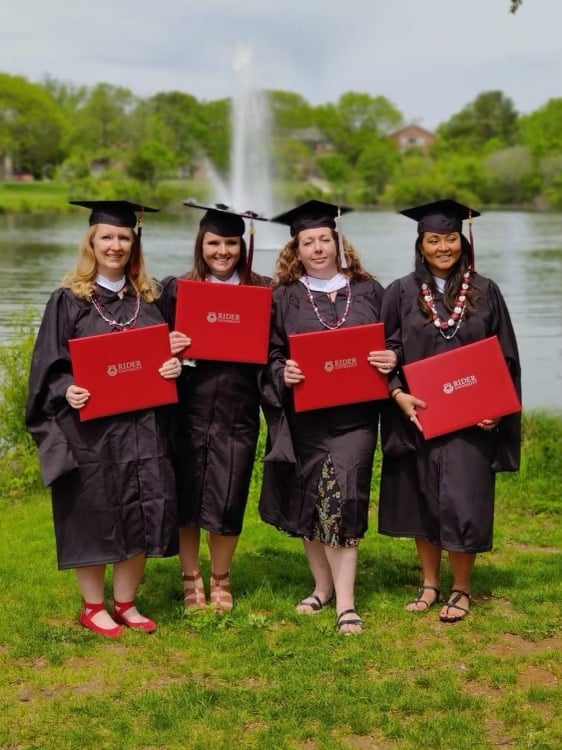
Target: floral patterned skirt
point(328, 511)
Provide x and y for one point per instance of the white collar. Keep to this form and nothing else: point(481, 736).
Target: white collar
point(440, 283)
point(113, 286)
point(234, 279)
point(324, 285)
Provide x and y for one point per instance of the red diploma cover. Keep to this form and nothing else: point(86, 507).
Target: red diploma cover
point(335, 366)
point(120, 370)
point(226, 322)
point(462, 387)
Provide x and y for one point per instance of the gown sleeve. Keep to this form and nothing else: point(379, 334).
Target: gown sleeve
point(508, 450)
point(49, 377)
point(274, 392)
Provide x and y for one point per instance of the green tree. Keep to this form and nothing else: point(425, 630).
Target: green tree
point(356, 121)
point(490, 117)
point(541, 131)
point(512, 177)
point(101, 129)
point(375, 166)
point(31, 126)
point(215, 134)
point(289, 111)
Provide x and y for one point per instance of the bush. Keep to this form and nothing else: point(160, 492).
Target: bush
point(19, 466)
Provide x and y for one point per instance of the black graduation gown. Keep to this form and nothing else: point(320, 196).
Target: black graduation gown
point(216, 436)
point(299, 443)
point(442, 489)
point(111, 479)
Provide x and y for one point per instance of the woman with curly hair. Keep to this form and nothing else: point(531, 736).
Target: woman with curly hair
point(111, 478)
point(317, 472)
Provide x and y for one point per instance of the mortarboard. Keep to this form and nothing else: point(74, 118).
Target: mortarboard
point(228, 222)
point(312, 215)
point(115, 213)
point(440, 216)
point(443, 216)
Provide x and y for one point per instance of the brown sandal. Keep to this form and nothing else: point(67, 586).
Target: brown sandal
point(193, 592)
point(221, 597)
point(420, 600)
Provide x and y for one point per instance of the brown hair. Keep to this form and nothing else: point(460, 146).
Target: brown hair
point(200, 269)
point(81, 280)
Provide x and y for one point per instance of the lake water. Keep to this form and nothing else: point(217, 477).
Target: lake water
point(521, 251)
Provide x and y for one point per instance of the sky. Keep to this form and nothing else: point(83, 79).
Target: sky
point(429, 58)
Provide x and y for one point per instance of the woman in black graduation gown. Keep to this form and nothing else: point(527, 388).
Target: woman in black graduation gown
point(218, 418)
point(441, 491)
point(317, 472)
point(111, 478)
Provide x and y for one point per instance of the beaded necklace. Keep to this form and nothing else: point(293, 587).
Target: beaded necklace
point(113, 323)
point(325, 323)
point(457, 315)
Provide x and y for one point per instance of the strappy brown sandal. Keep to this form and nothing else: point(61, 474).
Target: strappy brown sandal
point(420, 600)
point(221, 596)
point(454, 603)
point(193, 591)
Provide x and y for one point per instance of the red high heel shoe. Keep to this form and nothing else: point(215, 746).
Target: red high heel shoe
point(86, 620)
point(119, 609)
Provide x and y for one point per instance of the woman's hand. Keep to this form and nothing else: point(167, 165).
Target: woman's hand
point(76, 396)
point(384, 360)
point(292, 373)
point(408, 405)
point(171, 368)
point(178, 342)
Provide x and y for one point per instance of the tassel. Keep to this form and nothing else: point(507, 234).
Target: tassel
point(471, 240)
point(135, 259)
point(250, 259)
point(339, 229)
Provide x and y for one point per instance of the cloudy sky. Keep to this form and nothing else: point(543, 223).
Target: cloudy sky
point(428, 57)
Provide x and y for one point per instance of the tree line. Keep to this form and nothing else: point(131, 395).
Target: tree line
point(485, 154)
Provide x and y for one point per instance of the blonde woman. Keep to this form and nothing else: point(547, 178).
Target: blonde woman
point(111, 478)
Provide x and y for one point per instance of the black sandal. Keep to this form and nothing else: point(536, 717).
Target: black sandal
point(419, 599)
point(453, 602)
point(355, 621)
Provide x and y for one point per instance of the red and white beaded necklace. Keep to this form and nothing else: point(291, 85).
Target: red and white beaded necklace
point(448, 328)
point(113, 323)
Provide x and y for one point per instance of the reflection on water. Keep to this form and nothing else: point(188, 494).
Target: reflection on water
point(522, 252)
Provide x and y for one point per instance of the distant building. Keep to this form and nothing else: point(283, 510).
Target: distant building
point(413, 136)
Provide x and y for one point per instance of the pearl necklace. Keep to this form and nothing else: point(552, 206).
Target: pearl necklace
point(458, 311)
point(325, 323)
point(113, 323)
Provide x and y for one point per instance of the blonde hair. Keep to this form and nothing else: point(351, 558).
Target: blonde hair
point(81, 280)
point(288, 267)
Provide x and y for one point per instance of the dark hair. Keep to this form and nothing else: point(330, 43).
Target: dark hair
point(452, 283)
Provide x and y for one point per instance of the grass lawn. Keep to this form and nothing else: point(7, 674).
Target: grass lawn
point(266, 677)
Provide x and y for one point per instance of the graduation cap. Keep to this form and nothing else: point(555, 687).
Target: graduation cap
point(115, 213)
point(228, 222)
point(440, 216)
point(443, 216)
point(312, 215)
point(118, 214)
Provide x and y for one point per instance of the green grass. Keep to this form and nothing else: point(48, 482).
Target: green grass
point(265, 677)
